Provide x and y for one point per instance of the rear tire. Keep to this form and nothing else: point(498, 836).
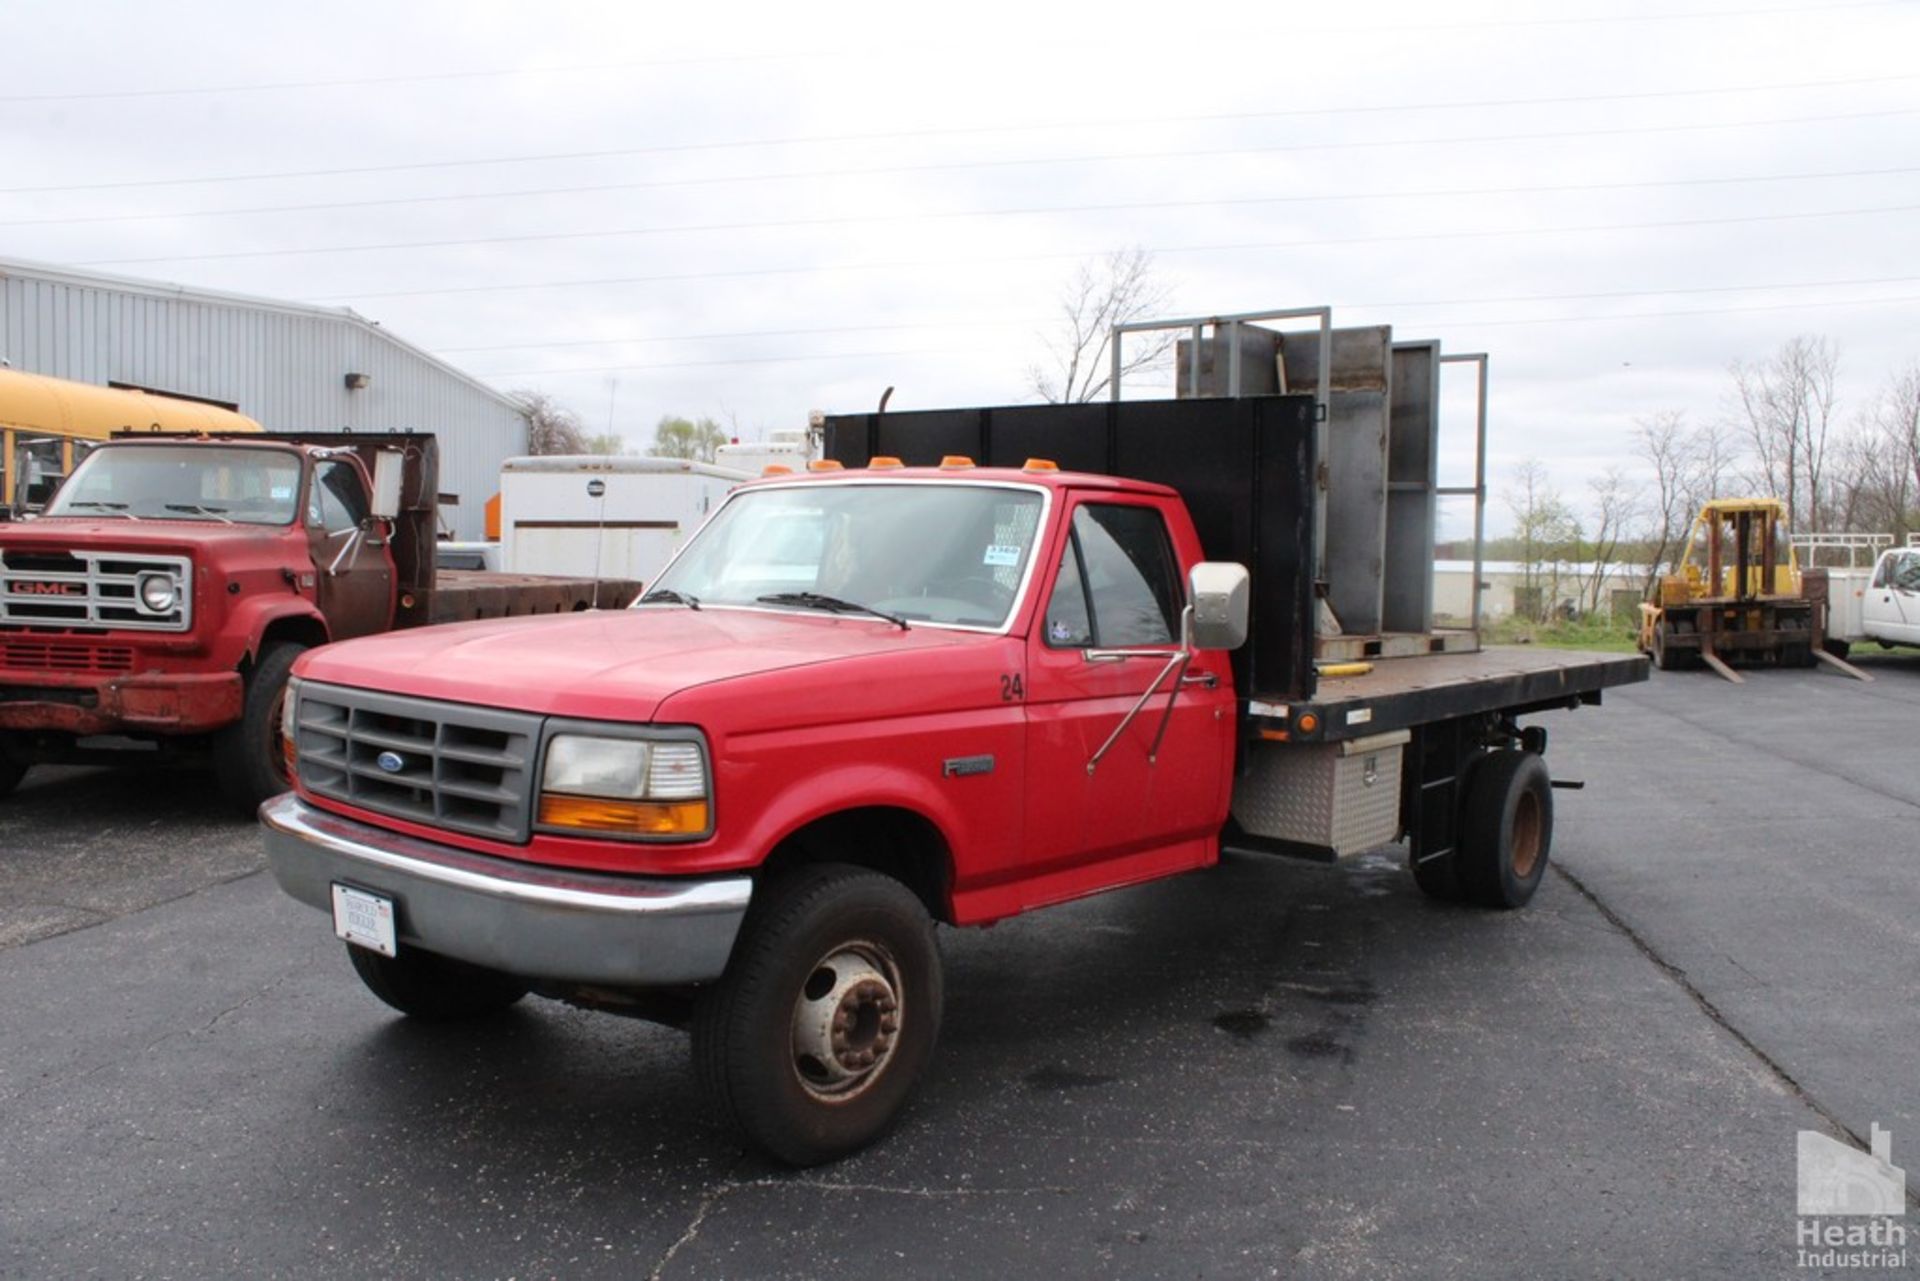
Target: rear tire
point(1506, 829)
point(816, 1036)
point(247, 756)
point(434, 988)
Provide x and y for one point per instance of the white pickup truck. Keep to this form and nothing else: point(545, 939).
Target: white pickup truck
point(1880, 605)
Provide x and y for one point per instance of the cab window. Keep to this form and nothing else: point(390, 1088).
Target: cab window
point(1118, 581)
point(337, 502)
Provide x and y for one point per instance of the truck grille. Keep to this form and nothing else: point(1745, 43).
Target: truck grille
point(65, 656)
point(469, 769)
point(87, 589)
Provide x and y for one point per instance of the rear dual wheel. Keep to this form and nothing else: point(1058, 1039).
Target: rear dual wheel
point(1503, 836)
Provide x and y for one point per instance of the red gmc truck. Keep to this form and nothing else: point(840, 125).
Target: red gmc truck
point(161, 600)
point(905, 689)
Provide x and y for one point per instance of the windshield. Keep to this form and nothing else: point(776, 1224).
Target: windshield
point(935, 553)
point(184, 482)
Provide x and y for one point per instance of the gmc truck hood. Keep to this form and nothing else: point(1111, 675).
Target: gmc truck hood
point(173, 536)
point(609, 665)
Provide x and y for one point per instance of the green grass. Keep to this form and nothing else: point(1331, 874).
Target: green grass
point(1598, 633)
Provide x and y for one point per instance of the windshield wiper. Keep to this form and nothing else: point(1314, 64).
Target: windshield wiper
point(833, 604)
point(667, 595)
point(112, 509)
point(218, 513)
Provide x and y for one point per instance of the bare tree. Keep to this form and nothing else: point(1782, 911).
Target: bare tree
point(1879, 462)
point(1614, 507)
point(1785, 406)
point(551, 427)
point(1119, 289)
point(1671, 451)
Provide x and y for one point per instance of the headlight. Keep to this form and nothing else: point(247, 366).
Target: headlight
point(625, 786)
point(158, 593)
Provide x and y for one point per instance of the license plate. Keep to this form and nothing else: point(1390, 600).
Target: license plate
point(363, 919)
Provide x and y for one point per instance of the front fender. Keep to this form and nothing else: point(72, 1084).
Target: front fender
point(805, 800)
point(251, 619)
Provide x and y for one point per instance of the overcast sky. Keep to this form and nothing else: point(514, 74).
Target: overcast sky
point(752, 210)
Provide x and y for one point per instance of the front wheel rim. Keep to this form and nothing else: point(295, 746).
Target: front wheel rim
point(846, 1021)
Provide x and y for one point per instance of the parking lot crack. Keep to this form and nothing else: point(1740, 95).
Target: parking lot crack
point(1719, 1018)
point(714, 1196)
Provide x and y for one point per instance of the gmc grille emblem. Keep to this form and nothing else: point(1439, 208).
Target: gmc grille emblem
point(50, 589)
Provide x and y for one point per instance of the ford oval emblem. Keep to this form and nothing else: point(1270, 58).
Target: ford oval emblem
point(391, 762)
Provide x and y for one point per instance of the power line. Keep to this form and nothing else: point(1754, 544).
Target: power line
point(883, 170)
point(745, 360)
point(1002, 322)
point(975, 130)
point(357, 82)
point(1068, 255)
point(799, 358)
point(990, 213)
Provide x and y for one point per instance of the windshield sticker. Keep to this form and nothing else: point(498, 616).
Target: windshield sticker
point(1001, 556)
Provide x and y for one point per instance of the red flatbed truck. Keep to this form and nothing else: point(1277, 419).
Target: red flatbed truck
point(904, 689)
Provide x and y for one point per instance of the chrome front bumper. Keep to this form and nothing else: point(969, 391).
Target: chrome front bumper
point(530, 920)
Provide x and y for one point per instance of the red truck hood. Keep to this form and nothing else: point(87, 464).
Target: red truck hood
point(613, 664)
point(174, 536)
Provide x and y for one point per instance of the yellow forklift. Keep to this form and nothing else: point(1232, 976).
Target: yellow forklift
point(1737, 595)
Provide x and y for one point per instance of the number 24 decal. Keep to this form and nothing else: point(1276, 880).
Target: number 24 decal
point(1010, 688)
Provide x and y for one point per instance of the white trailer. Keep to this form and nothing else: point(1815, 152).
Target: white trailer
point(591, 516)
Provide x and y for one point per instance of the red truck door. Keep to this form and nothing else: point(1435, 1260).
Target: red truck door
point(354, 574)
point(1110, 619)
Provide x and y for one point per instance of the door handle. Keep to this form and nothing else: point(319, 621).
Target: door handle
point(1208, 679)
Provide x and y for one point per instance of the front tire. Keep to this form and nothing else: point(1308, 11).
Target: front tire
point(1506, 829)
point(12, 770)
point(827, 1015)
point(247, 757)
point(434, 988)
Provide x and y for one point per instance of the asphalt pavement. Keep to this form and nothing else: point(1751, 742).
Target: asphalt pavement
point(1267, 1068)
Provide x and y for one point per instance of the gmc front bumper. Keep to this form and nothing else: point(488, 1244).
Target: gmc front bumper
point(536, 922)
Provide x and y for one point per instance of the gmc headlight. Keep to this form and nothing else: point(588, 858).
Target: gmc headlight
point(641, 787)
point(158, 593)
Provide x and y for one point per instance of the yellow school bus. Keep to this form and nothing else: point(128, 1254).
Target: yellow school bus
point(49, 424)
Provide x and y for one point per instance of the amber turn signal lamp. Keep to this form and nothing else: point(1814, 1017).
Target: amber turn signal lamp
point(1308, 722)
point(1041, 464)
point(826, 464)
point(954, 462)
point(628, 818)
point(884, 462)
point(776, 469)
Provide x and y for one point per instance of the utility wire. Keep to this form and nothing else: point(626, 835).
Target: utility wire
point(550, 236)
point(979, 130)
point(1183, 154)
point(357, 82)
point(1004, 323)
point(1068, 255)
point(963, 351)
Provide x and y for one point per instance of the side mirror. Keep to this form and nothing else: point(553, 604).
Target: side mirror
point(389, 468)
point(1221, 594)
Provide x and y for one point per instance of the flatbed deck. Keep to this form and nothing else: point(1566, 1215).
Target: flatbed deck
point(1402, 693)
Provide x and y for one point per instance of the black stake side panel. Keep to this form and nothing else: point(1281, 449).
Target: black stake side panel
point(1244, 467)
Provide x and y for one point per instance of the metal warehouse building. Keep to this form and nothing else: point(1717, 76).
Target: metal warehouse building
point(289, 365)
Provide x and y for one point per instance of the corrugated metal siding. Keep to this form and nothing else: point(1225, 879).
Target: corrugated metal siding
point(286, 369)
